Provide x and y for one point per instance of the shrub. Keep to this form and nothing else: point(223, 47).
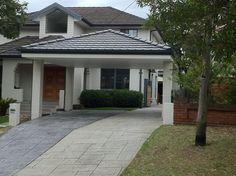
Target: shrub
point(95, 98)
point(125, 98)
point(111, 98)
point(4, 105)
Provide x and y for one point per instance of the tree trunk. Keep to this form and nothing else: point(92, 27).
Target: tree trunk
point(200, 139)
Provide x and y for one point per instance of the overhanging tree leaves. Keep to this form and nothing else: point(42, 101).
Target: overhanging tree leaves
point(199, 31)
point(12, 17)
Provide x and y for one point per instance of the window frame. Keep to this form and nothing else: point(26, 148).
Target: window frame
point(128, 31)
point(115, 78)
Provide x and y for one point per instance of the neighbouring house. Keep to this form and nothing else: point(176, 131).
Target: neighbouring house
point(62, 51)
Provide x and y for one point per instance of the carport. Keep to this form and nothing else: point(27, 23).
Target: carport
point(104, 49)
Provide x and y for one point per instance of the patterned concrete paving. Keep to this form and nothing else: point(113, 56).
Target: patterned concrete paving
point(26, 142)
point(103, 148)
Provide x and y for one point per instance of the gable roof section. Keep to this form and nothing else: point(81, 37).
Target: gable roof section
point(11, 49)
point(53, 7)
point(93, 16)
point(103, 42)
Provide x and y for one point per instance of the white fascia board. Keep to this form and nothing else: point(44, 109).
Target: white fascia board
point(95, 56)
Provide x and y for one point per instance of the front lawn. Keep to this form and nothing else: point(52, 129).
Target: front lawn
point(4, 119)
point(170, 152)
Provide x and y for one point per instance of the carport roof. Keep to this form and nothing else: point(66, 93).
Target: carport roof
point(102, 42)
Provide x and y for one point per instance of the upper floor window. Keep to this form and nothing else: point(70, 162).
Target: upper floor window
point(132, 32)
point(56, 22)
point(114, 78)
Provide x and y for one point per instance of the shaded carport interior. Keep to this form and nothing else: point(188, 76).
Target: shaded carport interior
point(103, 49)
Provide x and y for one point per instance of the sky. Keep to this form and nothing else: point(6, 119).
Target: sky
point(35, 5)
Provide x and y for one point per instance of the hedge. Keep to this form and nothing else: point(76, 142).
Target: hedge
point(111, 98)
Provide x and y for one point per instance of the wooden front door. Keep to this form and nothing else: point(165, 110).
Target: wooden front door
point(54, 81)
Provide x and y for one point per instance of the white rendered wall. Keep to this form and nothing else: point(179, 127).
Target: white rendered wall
point(134, 79)
point(29, 31)
point(25, 83)
point(144, 34)
point(9, 79)
point(94, 79)
point(78, 30)
point(78, 84)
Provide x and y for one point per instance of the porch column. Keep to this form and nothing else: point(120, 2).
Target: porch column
point(153, 88)
point(69, 88)
point(37, 89)
point(156, 87)
point(168, 108)
point(78, 84)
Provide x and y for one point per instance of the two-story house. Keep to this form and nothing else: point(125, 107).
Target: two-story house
point(64, 50)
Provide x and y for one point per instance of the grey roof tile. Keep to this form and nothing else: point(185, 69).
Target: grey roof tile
point(107, 41)
point(98, 16)
point(107, 16)
point(11, 49)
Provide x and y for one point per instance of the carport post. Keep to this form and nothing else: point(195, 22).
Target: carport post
point(37, 89)
point(69, 88)
point(168, 108)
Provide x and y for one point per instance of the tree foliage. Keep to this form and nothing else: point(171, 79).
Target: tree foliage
point(183, 25)
point(203, 36)
point(12, 17)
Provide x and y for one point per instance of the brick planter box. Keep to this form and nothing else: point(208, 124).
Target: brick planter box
point(186, 113)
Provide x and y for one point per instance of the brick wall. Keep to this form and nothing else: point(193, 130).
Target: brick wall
point(186, 113)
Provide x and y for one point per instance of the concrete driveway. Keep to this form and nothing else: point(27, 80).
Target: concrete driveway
point(103, 148)
point(23, 144)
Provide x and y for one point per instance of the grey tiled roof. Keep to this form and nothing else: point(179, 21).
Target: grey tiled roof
point(98, 16)
point(11, 49)
point(29, 21)
point(103, 42)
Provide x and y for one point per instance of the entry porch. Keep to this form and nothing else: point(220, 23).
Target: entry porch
point(107, 50)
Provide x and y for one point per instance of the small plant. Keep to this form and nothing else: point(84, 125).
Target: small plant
point(4, 105)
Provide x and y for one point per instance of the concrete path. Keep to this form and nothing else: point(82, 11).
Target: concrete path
point(103, 148)
point(26, 142)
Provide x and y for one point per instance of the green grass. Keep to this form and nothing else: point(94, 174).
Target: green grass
point(170, 151)
point(4, 119)
point(111, 108)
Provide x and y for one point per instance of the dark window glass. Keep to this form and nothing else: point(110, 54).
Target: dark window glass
point(56, 22)
point(122, 79)
point(114, 78)
point(107, 78)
